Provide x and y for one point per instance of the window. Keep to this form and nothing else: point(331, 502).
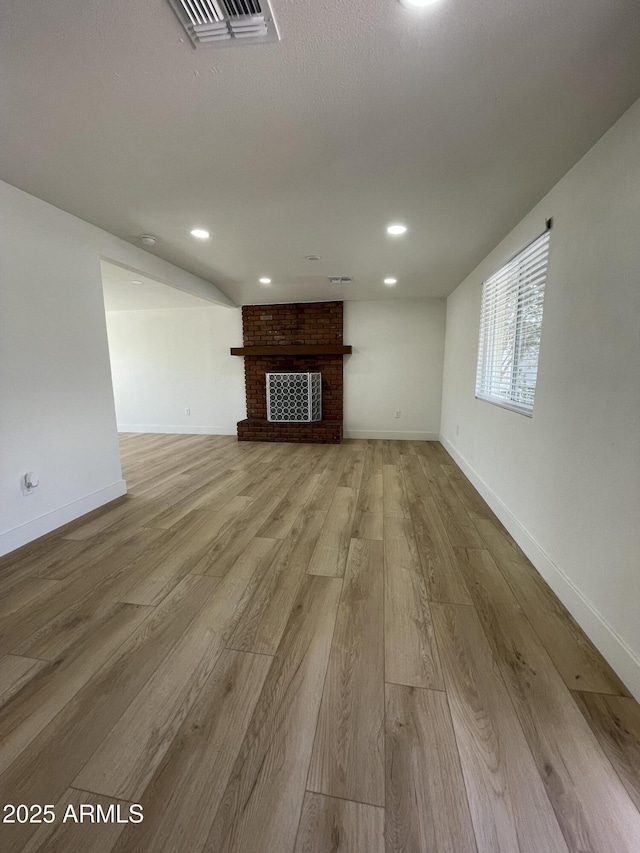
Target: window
point(510, 324)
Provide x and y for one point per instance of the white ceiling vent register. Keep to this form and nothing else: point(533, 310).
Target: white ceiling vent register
point(227, 22)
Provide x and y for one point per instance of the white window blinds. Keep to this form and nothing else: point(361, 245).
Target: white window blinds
point(510, 325)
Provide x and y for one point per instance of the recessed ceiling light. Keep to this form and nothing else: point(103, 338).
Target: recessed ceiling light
point(200, 234)
point(312, 257)
point(396, 229)
point(265, 281)
point(148, 239)
point(390, 281)
point(417, 4)
point(136, 281)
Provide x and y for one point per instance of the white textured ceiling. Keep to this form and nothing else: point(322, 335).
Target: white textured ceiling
point(455, 121)
point(125, 290)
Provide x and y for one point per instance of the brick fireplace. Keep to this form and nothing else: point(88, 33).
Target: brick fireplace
point(301, 337)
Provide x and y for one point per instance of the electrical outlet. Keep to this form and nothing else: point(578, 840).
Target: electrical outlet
point(187, 411)
point(398, 413)
point(29, 482)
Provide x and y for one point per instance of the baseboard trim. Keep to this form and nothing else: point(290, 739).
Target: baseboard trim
point(393, 436)
point(611, 645)
point(38, 527)
point(170, 429)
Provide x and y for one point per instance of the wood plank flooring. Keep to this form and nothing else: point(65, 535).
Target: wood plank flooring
point(304, 649)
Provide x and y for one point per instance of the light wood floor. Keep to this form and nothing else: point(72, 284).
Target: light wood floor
point(305, 649)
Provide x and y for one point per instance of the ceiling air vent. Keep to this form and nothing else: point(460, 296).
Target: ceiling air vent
point(340, 279)
point(227, 22)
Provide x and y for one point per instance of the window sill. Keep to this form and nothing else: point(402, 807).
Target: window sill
point(505, 404)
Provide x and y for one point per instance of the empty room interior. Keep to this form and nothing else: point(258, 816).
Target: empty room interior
point(320, 426)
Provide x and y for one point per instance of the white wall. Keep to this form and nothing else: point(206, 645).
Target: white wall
point(398, 349)
point(567, 482)
point(56, 404)
point(164, 361)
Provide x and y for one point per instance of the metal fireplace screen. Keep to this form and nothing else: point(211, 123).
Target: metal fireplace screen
point(294, 397)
